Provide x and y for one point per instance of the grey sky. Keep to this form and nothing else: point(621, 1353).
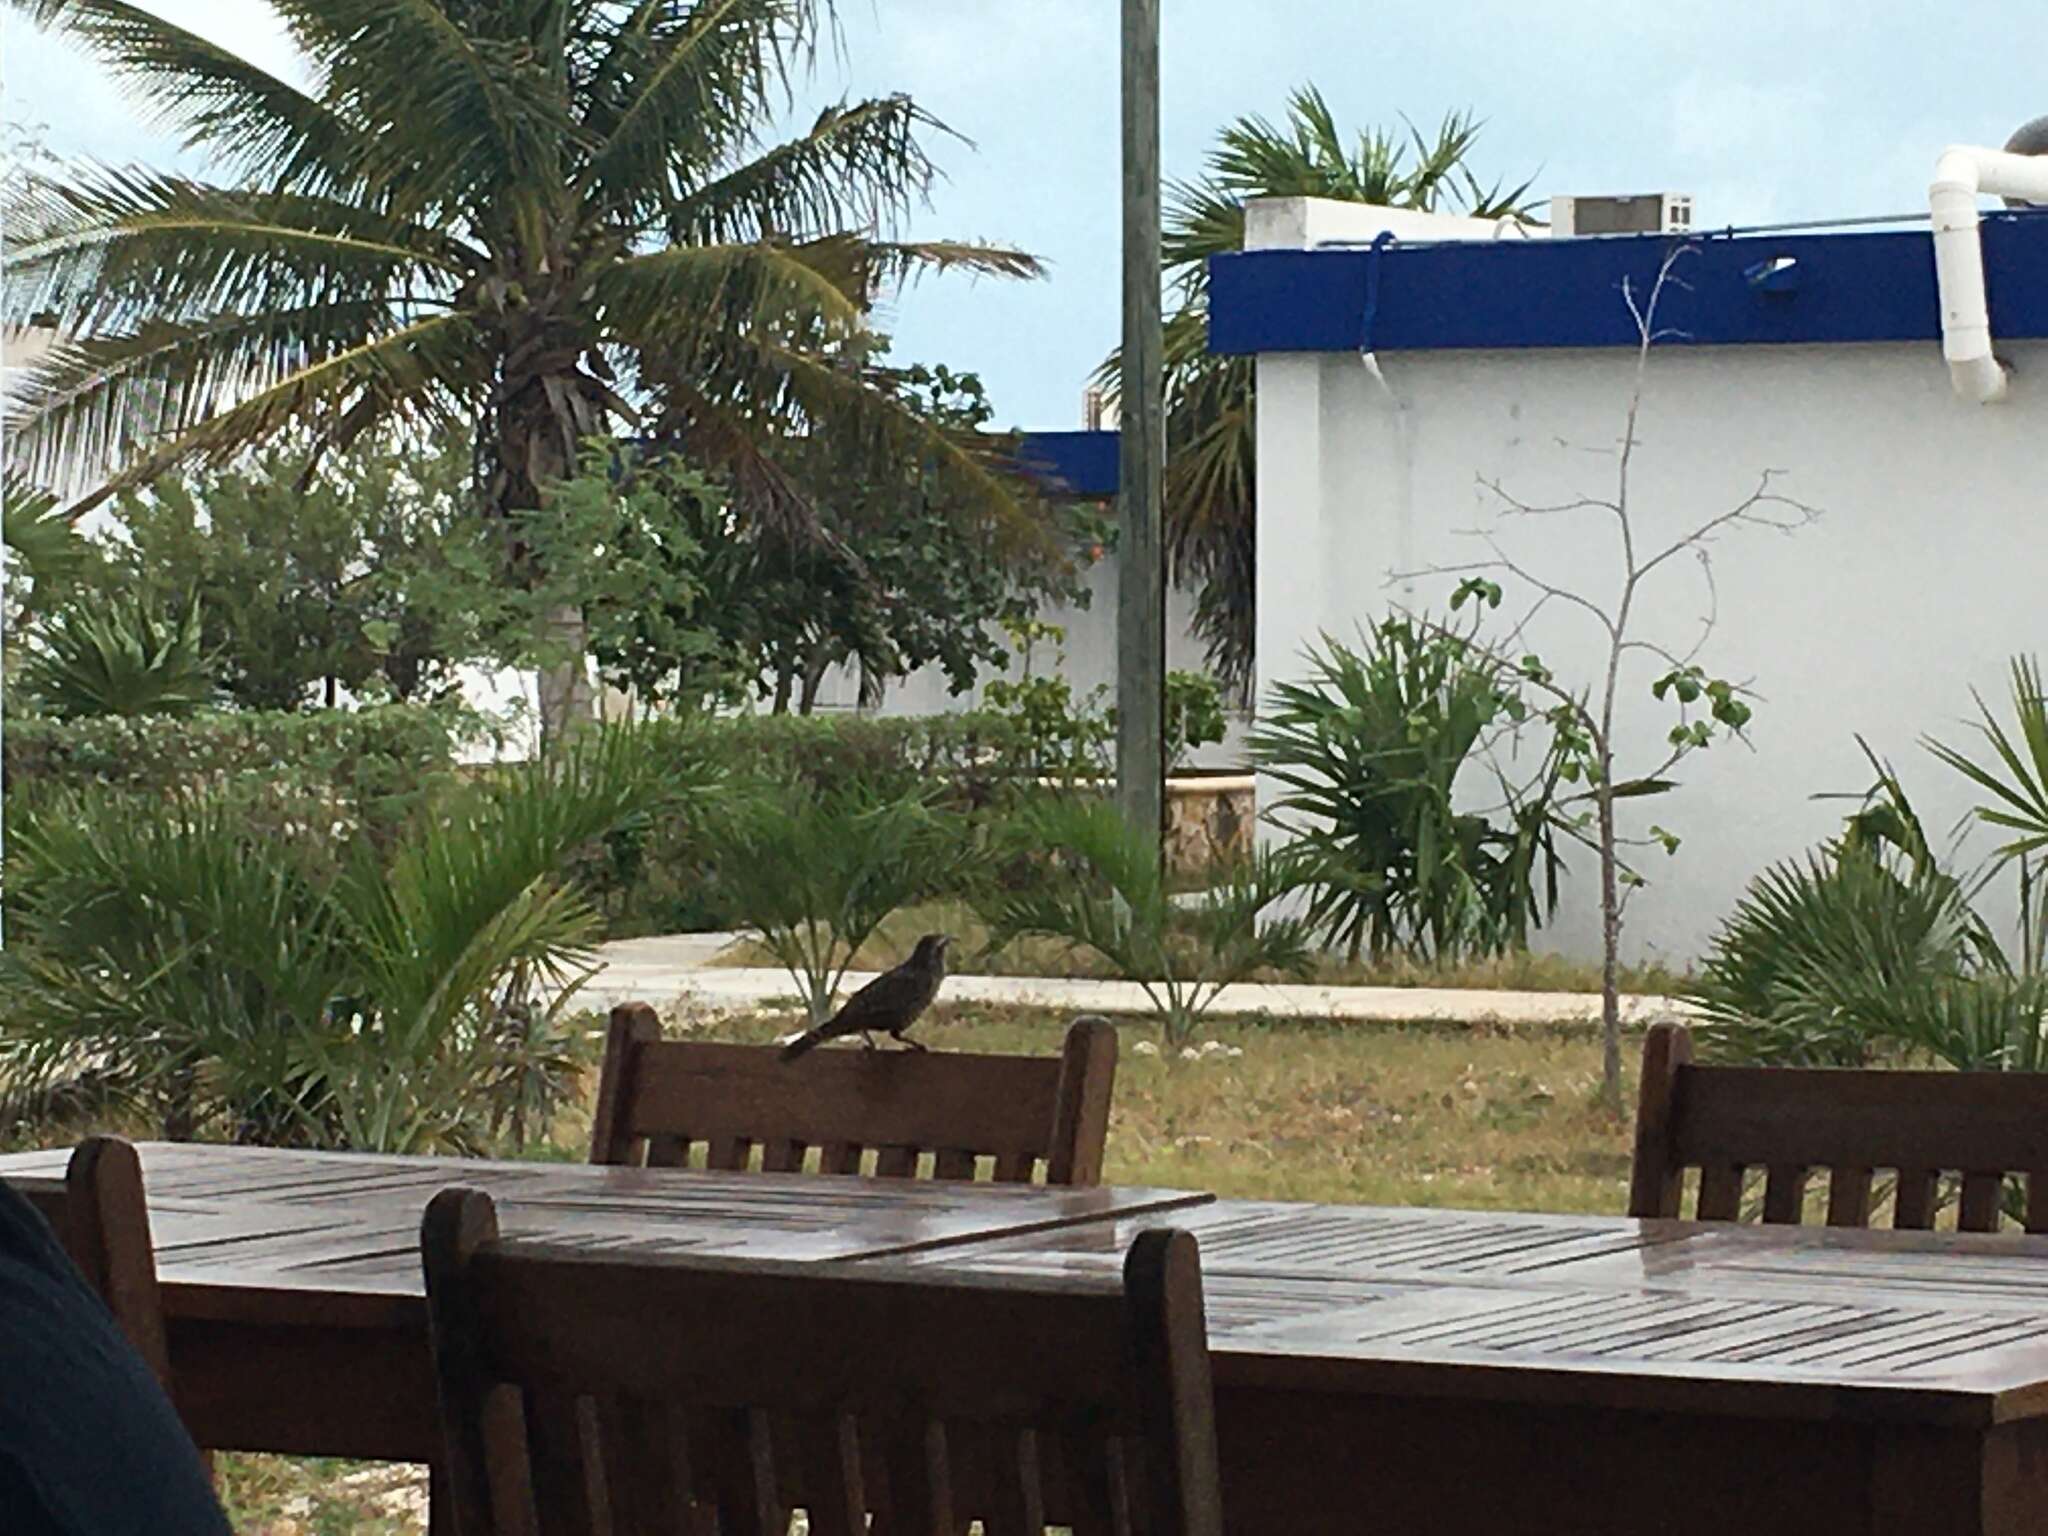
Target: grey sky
point(1805, 108)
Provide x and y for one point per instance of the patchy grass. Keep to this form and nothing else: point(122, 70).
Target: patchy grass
point(1494, 1118)
point(1421, 1115)
point(284, 1496)
point(1526, 972)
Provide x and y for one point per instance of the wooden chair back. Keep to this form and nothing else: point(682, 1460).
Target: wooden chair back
point(854, 1111)
point(1854, 1126)
point(102, 1220)
point(587, 1390)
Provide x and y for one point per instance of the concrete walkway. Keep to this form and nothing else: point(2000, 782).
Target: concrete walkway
point(677, 969)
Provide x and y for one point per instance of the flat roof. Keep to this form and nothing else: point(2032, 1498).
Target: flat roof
point(1730, 289)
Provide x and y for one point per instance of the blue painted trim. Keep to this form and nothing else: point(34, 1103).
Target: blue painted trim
point(1567, 293)
point(1073, 463)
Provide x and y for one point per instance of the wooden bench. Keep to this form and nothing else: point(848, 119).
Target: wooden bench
point(840, 1110)
point(1851, 1125)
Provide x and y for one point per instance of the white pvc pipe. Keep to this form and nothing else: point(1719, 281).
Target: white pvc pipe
point(1962, 175)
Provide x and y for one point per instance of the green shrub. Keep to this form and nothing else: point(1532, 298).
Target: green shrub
point(1869, 949)
point(1791, 977)
point(1107, 895)
point(663, 876)
point(814, 871)
point(252, 984)
point(115, 654)
point(369, 768)
point(1371, 749)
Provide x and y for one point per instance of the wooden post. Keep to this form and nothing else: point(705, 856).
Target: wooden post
point(1141, 571)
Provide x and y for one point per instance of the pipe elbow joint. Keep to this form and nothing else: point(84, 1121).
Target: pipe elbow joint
point(1960, 169)
point(1981, 379)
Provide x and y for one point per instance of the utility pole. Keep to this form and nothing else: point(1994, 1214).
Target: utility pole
point(1141, 566)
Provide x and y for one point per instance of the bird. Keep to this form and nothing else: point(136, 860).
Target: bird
point(890, 1003)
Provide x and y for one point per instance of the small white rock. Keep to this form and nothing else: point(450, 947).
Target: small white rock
point(1144, 1048)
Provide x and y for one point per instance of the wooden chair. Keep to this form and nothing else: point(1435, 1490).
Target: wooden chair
point(1790, 1122)
point(103, 1221)
point(588, 1391)
point(656, 1097)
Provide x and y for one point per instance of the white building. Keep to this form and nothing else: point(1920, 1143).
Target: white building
point(1397, 379)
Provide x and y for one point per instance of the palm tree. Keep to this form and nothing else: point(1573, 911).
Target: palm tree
point(1210, 521)
point(543, 218)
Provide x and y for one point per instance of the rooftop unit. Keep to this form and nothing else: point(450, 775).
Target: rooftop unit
point(1647, 213)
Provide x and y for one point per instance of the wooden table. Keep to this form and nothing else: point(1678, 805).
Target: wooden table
point(1424, 1371)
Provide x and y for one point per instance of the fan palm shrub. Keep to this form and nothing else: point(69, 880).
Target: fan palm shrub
point(110, 653)
point(1373, 748)
point(1870, 949)
point(235, 982)
point(546, 220)
point(1101, 889)
point(815, 870)
point(1211, 474)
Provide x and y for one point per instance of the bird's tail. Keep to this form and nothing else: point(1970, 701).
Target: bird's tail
point(802, 1045)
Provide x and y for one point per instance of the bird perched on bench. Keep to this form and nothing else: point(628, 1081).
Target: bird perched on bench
point(891, 1003)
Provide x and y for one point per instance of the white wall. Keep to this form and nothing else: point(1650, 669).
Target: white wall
point(1924, 574)
point(1090, 661)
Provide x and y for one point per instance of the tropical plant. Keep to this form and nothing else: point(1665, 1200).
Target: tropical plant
point(230, 981)
point(815, 870)
point(540, 219)
point(47, 557)
point(320, 572)
point(1871, 948)
point(110, 653)
point(1377, 749)
point(911, 576)
point(1586, 719)
point(1790, 976)
point(1194, 715)
point(1211, 475)
point(1106, 893)
point(2016, 778)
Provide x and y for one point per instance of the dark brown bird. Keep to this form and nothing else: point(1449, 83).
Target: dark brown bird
point(891, 1003)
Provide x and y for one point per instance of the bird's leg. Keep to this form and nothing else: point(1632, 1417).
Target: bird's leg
point(869, 1038)
point(915, 1045)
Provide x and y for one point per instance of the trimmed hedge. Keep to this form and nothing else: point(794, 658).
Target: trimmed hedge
point(970, 757)
point(371, 767)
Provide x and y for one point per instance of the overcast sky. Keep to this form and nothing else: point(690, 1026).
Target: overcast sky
point(1800, 109)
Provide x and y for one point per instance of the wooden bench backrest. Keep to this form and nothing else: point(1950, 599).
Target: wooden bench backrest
point(586, 1390)
point(1855, 1125)
point(102, 1220)
point(1022, 1113)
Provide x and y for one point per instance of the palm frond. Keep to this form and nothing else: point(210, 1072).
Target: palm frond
point(2020, 792)
point(110, 245)
point(756, 378)
point(683, 87)
point(450, 106)
point(174, 392)
point(858, 166)
point(246, 117)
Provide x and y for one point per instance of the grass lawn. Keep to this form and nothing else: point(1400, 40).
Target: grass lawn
point(1525, 971)
point(1375, 1115)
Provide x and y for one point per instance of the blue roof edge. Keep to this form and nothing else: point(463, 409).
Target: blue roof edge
point(1729, 290)
point(1083, 464)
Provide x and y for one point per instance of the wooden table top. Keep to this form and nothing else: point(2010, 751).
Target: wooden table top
point(1782, 1322)
point(240, 1229)
point(1796, 1322)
